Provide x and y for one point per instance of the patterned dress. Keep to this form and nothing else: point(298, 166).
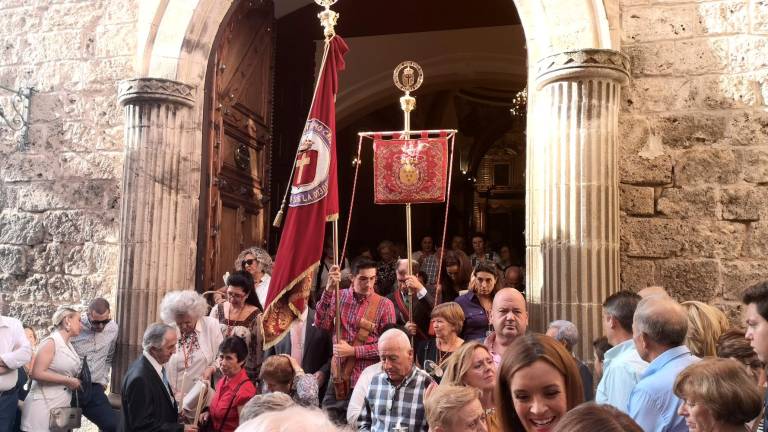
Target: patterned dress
point(249, 329)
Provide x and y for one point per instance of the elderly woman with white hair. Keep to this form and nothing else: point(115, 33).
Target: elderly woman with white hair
point(199, 340)
point(567, 334)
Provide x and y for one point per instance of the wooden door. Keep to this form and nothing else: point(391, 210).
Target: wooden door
point(239, 140)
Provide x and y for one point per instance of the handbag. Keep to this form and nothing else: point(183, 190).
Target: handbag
point(85, 390)
point(64, 419)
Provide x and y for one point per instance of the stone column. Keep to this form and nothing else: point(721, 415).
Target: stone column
point(572, 231)
point(159, 206)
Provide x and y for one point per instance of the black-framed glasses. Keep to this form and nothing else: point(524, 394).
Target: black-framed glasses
point(100, 323)
point(247, 262)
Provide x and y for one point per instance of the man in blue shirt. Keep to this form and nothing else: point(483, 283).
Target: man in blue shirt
point(659, 329)
point(622, 366)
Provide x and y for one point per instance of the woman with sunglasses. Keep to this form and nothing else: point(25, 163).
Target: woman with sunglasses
point(240, 316)
point(258, 263)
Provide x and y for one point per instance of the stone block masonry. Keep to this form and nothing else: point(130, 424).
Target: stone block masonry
point(59, 199)
point(694, 150)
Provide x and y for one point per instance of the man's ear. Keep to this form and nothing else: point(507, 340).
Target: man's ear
point(612, 321)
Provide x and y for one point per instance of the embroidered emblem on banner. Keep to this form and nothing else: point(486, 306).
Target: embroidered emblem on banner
point(410, 171)
point(310, 176)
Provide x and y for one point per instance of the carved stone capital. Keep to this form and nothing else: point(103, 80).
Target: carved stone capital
point(583, 64)
point(155, 90)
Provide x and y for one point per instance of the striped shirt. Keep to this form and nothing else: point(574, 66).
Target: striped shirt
point(353, 308)
point(395, 408)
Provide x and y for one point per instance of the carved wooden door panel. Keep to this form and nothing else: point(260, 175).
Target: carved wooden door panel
point(239, 140)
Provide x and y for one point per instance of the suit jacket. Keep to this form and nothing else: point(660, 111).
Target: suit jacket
point(318, 349)
point(422, 312)
point(146, 405)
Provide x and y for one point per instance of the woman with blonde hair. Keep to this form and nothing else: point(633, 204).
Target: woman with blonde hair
point(452, 408)
point(705, 325)
point(54, 372)
point(472, 366)
point(717, 395)
point(258, 263)
point(537, 371)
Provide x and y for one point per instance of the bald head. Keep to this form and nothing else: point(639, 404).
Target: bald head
point(396, 355)
point(659, 322)
point(394, 338)
point(653, 291)
point(509, 315)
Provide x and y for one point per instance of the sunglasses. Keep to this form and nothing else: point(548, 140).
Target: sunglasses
point(99, 323)
point(248, 262)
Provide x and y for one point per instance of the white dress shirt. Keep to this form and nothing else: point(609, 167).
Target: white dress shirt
point(262, 288)
point(298, 332)
point(15, 350)
point(99, 347)
point(357, 400)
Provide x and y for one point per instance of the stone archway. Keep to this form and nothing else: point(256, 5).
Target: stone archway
point(575, 74)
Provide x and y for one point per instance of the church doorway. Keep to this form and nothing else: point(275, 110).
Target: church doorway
point(475, 65)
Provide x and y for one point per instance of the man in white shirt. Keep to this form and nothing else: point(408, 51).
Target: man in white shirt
point(15, 351)
point(622, 367)
point(96, 343)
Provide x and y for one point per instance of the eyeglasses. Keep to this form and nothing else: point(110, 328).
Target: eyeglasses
point(236, 295)
point(99, 323)
point(248, 262)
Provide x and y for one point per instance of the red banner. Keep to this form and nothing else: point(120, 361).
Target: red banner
point(410, 171)
point(314, 201)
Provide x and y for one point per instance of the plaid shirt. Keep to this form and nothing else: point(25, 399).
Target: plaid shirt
point(388, 407)
point(353, 307)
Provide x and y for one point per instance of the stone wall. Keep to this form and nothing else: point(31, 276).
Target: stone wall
point(694, 144)
point(59, 199)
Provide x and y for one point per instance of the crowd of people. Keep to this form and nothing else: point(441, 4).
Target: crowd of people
point(445, 347)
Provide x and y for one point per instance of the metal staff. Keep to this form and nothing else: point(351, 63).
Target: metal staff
point(408, 77)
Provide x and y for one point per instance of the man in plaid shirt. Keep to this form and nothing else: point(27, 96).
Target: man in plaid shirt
point(427, 258)
point(353, 306)
point(395, 400)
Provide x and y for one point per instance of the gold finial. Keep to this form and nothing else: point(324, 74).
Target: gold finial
point(328, 18)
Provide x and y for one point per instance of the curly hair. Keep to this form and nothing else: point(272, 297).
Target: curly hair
point(182, 303)
point(259, 254)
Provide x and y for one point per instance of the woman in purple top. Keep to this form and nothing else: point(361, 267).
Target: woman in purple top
point(477, 303)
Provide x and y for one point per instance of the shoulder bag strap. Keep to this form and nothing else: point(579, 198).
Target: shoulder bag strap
point(229, 408)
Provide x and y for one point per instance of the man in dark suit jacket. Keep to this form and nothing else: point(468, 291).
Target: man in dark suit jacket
point(148, 401)
point(423, 302)
point(316, 351)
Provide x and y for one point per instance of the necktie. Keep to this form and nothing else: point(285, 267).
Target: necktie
point(167, 384)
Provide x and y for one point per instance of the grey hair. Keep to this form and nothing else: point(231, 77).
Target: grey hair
point(567, 333)
point(294, 418)
point(263, 403)
point(662, 319)
point(182, 303)
point(261, 256)
point(396, 334)
point(415, 266)
point(154, 336)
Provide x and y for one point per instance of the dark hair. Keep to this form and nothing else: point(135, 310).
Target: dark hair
point(478, 234)
point(590, 417)
point(99, 305)
point(421, 274)
point(489, 267)
point(601, 346)
point(234, 345)
point(622, 305)
point(243, 280)
point(523, 352)
point(732, 344)
point(757, 294)
point(363, 264)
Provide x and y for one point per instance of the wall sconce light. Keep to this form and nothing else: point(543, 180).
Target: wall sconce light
point(18, 121)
